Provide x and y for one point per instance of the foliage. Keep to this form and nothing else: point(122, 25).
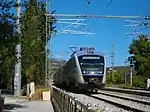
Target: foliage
point(33, 42)
point(139, 81)
point(140, 49)
point(115, 77)
point(8, 41)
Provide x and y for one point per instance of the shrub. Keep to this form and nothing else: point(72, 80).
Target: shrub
point(139, 81)
point(114, 77)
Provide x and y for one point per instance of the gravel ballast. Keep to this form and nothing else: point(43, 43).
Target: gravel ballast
point(97, 105)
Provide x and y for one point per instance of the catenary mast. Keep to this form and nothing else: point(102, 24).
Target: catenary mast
point(17, 77)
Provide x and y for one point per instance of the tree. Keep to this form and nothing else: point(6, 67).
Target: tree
point(33, 42)
point(8, 41)
point(140, 49)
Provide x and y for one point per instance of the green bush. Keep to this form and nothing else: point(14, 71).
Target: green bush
point(114, 77)
point(139, 81)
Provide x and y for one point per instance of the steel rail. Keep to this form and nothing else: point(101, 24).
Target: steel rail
point(129, 91)
point(125, 98)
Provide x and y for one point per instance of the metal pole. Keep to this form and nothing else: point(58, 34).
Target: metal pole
point(47, 32)
point(49, 64)
point(131, 72)
point(112, 56)
point(50, 44)
point(49, 70)
point(17, 77)
point(46, 51)
point(125, 77)
point(50, 60)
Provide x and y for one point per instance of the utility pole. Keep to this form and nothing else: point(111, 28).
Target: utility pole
point(17, 77)
point(50, 61)
point(125, 76)
point(112, 57)
point(50, 49)
point(131, 69)
point(131, 74)
point(46, 49)
point(48, 33)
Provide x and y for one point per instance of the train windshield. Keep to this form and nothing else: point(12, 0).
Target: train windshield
point(92, 63)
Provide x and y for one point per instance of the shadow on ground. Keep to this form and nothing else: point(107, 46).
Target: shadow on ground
point(8, 107)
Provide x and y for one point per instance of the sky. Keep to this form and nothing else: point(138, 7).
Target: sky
point(108, 31)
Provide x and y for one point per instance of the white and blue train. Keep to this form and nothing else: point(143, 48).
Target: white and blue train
point(86, 69)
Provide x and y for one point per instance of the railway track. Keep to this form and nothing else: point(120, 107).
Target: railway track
point(127, 102)
point(129, 91)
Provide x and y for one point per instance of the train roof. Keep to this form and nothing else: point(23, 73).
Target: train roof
point(87, 51)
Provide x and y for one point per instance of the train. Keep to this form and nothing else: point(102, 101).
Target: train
point(86, 69)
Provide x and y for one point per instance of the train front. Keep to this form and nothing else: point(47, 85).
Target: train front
point(93, 69)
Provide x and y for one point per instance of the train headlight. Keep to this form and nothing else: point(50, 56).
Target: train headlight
point(92, 72)
point(84, 71)
point(81, 63)
point(100, 71)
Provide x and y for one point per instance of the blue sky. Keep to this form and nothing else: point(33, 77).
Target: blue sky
point(107, 30)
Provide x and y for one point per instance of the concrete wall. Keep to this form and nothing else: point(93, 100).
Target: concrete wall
point(1, 103)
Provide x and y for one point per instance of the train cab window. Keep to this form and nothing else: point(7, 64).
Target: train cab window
point(91, 63)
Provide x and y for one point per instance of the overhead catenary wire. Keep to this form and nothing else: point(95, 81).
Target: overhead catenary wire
point(88, 2)
point(107, 5)
point(138, 27)
point(73, 24)
point(84, 28)
point(96, 16)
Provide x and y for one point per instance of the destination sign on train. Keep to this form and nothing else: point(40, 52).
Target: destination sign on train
point(90, 57)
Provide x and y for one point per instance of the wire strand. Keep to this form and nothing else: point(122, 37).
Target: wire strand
point(107, 5)
point(88, 2)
